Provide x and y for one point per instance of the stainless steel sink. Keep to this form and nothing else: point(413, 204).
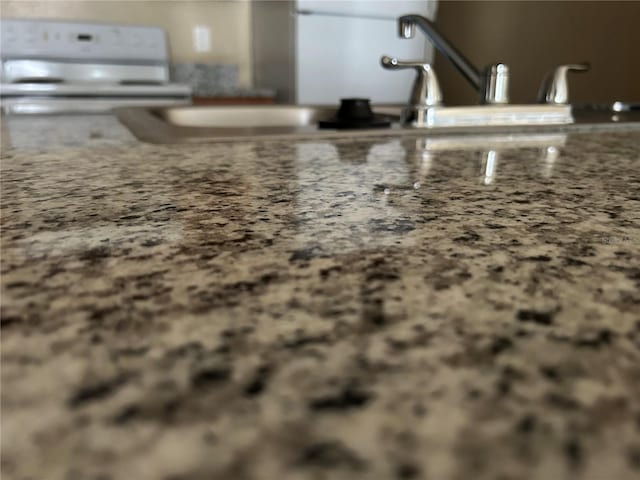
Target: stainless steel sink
point(190, 124)
point(246, 116)
point(226, 123)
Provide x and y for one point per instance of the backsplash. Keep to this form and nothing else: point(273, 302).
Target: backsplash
point(533, 37)
point(205, 79)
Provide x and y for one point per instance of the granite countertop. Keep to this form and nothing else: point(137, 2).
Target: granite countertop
point(215, 80)
point(371, 309)
point(236, 92)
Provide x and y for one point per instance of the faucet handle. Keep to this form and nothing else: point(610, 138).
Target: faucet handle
point(555, 86)
point(392, 63)
point(495, 86)
point(426, 89)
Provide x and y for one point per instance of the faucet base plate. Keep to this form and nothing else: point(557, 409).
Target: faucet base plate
point(486, 116)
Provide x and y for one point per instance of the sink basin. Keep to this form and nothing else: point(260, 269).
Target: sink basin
point(283, 116)
point(246, 116)
point(197, 124)
point(189, 124)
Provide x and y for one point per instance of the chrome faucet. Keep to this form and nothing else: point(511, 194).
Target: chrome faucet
point(425, 109)
point(426, 90)
point(555, 87)
point(425, 93)
point(492, 84)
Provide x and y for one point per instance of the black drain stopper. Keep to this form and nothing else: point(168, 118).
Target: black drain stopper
point(356, 113)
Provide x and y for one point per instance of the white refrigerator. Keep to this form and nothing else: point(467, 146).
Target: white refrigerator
point(319, 51)
point(339, 45)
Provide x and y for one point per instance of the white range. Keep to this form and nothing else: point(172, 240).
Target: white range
point(55, 66)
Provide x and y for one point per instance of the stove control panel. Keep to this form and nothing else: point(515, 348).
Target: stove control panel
point(82, 42)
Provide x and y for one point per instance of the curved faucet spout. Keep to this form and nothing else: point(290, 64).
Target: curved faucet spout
point(407, 25)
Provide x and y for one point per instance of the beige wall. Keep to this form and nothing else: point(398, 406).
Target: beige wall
point(229, 22)
point(533, 37)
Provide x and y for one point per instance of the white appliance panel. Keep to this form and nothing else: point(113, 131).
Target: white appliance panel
point(46, 105)
point(58, 66)
point(81, 41)
point(18, 71)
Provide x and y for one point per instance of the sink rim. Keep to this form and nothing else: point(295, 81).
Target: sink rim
point(259, 116)
point(149, 125)
point(153, 124)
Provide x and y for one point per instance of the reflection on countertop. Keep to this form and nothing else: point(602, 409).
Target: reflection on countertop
point(391, 308)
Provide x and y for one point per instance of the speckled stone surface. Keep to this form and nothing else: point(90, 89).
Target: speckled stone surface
point(53, 132)
point(307, 310)
point(214, 80)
